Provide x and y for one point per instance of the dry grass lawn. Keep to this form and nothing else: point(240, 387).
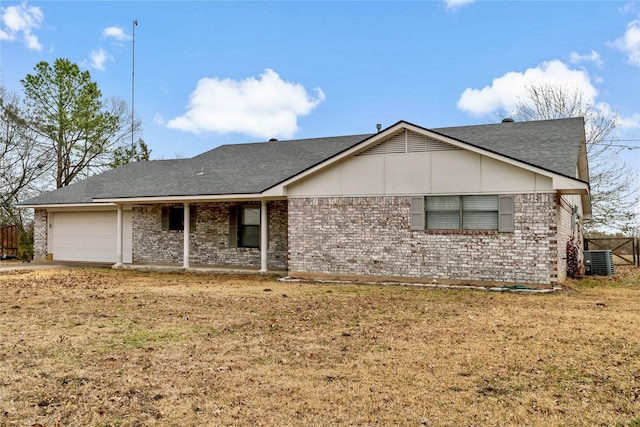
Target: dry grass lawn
point(123, 348)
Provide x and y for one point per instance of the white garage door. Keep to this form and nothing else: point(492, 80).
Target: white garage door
point(88, 236)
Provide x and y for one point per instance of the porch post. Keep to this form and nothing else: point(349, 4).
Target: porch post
point(185, 262)
point(119, 232)
point(264, 235)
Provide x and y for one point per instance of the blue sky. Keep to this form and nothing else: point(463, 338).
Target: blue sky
point(210, 73)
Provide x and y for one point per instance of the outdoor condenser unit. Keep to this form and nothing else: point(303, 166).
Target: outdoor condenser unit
point(598, 263)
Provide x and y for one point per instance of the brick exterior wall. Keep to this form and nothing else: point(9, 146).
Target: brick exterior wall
point(370, 236)
point(565, 232)
point(210, 239)
point(40, 235)
point(278, 250)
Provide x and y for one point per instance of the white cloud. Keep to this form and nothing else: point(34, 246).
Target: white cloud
point(505, 92)
point(627, 7)
point(264, 107)
point(576, 58)
point(99, 57)
point(19, 22)
point(115, 33)
point(629, 123)
point(456, 4)
point(630, 43)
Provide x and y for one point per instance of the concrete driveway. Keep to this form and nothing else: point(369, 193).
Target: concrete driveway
point(48, 265)
point(57, 265)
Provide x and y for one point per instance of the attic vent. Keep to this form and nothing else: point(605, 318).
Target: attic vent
point(408, 142)
point(397, 144)
point(508, 120)
point(273, 140)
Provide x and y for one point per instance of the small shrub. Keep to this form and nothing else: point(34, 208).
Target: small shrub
point(25, 245)
point(574, 266)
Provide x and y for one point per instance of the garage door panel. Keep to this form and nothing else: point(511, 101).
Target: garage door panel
point(89, 236)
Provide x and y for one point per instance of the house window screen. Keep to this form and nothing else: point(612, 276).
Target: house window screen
point(462, 212)
point(480, 212)
point(443, 212)
point(249, 226)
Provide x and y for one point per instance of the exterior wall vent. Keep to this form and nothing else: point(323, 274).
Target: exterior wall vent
point(407, 142)
point(598, 263)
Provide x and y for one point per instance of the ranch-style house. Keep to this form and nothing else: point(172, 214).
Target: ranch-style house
point(483, 203)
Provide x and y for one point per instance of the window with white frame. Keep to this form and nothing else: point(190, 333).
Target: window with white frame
point(249, 230)
point(244, 226)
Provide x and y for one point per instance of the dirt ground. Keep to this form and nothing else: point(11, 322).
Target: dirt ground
point(95, 347)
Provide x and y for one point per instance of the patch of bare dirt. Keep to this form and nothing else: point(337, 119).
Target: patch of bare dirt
point(125, 348)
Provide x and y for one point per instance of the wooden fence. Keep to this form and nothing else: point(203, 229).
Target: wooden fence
point(9, 241)
point(625, 250)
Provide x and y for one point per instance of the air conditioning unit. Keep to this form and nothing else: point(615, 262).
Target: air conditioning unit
point(598, 263)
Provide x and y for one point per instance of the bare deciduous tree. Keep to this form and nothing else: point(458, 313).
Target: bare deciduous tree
point(23, 162)
point(614, 185)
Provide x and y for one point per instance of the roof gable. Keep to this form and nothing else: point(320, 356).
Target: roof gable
point(549, 146)
point(553, 145)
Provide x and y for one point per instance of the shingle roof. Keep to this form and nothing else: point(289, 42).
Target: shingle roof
point(552, 145)
point(253, 168)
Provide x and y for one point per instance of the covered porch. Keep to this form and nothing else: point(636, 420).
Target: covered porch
point(226, 234)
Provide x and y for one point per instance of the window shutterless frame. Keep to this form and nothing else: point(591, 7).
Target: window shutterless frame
point(244, 226)
point(249, 226)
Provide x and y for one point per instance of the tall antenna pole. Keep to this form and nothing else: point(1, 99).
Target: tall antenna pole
point(133, 74)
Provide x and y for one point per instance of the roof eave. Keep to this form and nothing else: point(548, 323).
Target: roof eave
point(566, 185)
point(583, 162)
point(185, 199)
point(586, 206)
point(63, 205)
